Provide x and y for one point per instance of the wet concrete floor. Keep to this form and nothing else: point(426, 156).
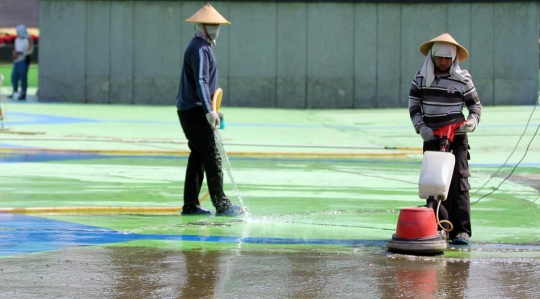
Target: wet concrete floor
point(273, 272)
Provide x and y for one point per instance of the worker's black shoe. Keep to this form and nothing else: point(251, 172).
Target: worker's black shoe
point(461, 239)
point(22, 97)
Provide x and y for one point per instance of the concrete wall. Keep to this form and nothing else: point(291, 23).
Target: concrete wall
point(287, 55)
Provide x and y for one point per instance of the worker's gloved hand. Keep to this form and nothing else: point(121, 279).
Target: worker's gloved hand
point(468, 126)
point(427, 133)
point(213, 119)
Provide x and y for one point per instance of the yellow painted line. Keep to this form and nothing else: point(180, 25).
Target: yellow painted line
point(8, 131)
point(91, 210)
point(398, 152)
point(80, 210)
point(96, 151)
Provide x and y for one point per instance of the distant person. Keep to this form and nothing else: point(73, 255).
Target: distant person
point(198, 83)
point(23, 48)
point(439, 92)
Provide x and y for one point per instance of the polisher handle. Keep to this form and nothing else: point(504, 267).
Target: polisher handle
point(448, 131)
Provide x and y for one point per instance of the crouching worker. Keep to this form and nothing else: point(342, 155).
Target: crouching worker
point(198, 83)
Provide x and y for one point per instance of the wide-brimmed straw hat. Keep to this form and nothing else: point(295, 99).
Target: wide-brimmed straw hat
point(208, 15)
point(462, 53)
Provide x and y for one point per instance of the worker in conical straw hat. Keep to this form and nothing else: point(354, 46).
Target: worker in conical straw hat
point(198, 83)
point(439, 92)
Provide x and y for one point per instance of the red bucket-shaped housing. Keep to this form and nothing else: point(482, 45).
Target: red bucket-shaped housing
point(416, 223)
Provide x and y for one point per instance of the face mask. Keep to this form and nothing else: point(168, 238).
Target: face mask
point(212, 31)
point(208, 32)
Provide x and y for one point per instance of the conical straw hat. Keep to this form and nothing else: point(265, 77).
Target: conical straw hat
point(208, 15)
point(463, 54)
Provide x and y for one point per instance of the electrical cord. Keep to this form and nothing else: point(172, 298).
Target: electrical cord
point(439, 222)
point(517, 164)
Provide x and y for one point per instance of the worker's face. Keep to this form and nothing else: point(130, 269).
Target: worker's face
point(442, 63)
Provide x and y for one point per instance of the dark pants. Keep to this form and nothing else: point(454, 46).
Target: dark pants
point(20, 73)
point(204, 158)
point(457, 207)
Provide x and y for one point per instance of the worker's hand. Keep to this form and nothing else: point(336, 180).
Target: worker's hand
point(468, 126)
point(213, 119)
point(427, 133)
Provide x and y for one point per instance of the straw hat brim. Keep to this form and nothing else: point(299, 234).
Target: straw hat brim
point(208, 15)
point(462, 52)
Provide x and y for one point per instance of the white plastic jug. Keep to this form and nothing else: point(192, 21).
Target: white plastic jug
point(436, 175)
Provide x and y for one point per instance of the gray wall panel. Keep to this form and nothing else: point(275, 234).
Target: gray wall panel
point(252, 50)
point(482, 44)
point(515, 76)
point(156, 46)
point(420, 23)
point(185, 34)
point(287, 55)
point(121, 53)
point(291, 55)
point(388, 56)
point(365, 56)
point(97, 51)
point(330, 68)
point(459, 26)
point(62, 51)
point(222, 49)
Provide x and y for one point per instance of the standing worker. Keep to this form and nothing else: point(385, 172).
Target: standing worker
point(198, 83)
point(439, 91)
point(22, 50)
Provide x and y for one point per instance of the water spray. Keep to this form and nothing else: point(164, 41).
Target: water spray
point(216, 104)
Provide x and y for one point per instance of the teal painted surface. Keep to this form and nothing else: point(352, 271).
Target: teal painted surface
point(283, 55)
point(323, 191)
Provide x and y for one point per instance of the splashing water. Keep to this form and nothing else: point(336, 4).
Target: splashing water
point(227, 165)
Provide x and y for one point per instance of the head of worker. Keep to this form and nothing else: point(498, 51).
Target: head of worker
point(21, 32)
point(207, 21)
point(443, 55)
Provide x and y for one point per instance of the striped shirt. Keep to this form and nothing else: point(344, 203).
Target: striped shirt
point(442, 103)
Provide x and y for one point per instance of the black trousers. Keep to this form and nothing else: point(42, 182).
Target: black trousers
point(457, 207)
point(204, 158)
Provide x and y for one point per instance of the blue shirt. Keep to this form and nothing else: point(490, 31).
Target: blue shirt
point(199, 78)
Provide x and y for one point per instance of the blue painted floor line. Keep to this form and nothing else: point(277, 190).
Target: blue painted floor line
point(44, 119)
point(16, 157)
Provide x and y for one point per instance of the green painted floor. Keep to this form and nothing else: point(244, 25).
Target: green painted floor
point(319, 182)
point(310, 169)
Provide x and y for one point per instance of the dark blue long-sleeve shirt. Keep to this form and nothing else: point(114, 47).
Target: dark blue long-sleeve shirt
point(199, 78)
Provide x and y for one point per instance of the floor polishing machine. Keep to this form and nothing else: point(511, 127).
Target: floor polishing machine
point(419, 230)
